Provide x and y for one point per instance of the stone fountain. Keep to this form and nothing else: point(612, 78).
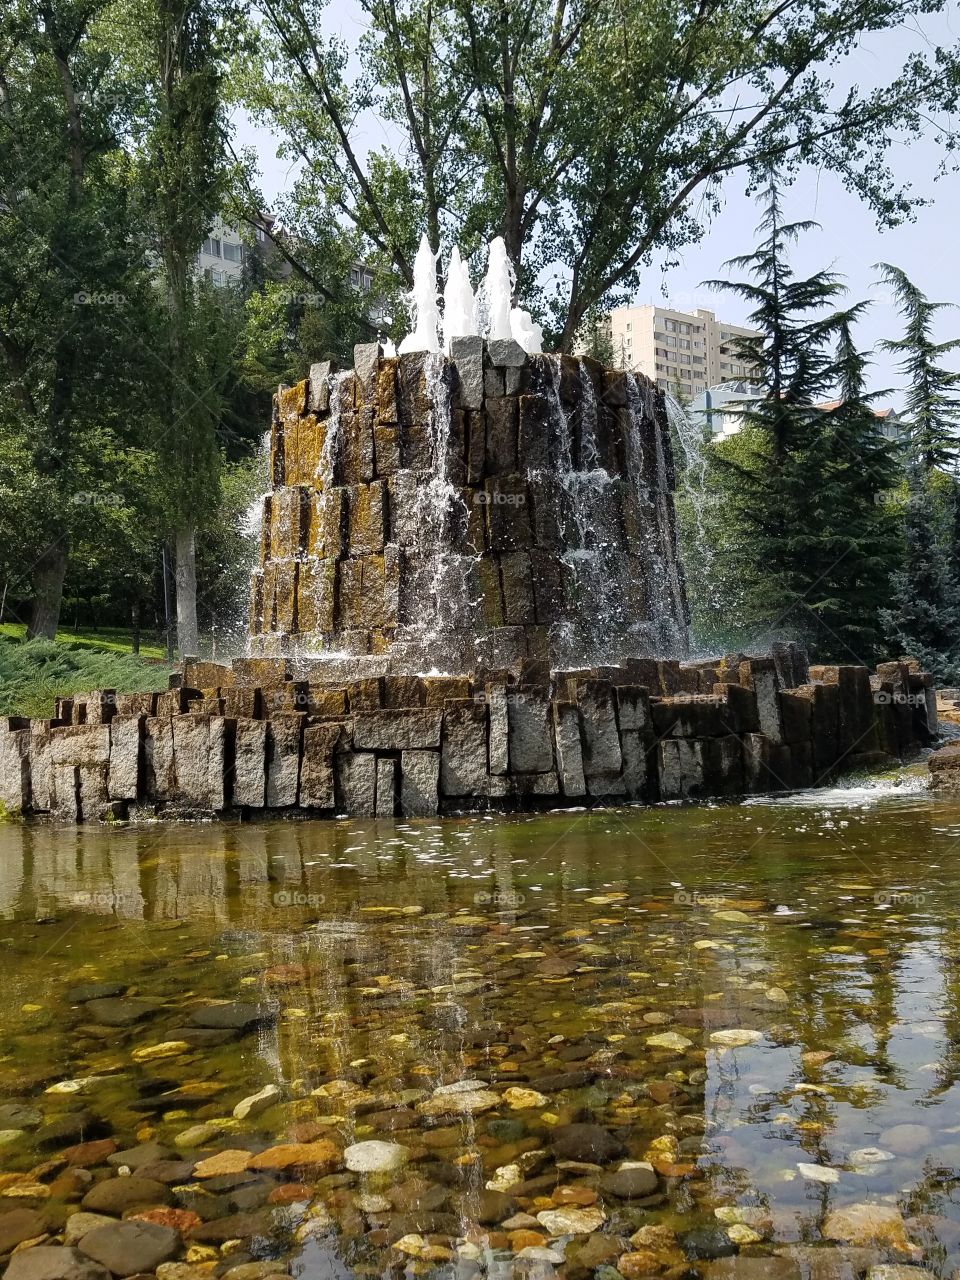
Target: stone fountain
point(468, 595)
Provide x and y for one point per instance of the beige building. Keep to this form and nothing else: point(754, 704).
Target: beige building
point(693, 350)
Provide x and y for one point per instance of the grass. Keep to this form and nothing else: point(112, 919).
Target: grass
point(109, 640)
point(34, 673)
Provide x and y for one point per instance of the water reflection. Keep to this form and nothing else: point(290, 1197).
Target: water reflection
point(759, 1000)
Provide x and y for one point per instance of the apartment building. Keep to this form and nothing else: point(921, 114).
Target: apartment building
point(222, 253)
point(692, 350)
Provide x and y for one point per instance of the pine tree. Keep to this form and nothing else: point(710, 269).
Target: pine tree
point(932, 406)
point(852, 532)
point(761, 476)
point(923, 621)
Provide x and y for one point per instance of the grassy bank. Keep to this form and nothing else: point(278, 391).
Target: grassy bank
point(34, 673)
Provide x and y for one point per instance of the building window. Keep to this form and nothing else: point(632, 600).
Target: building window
point(218, 277)
point(232, 252)
point(355, 276)
point(211, 247)
point(629, 326)
point(259, 234)
point(670, 326)
point(671, 342)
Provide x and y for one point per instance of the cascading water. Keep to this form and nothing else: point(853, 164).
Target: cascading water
point(693, 483)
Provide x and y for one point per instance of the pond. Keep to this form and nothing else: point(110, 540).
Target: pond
point(719, 1040)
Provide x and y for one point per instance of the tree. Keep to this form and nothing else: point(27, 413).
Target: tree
point(182, 45)
point(923, 620)
point(932, 404)
point(590, 135)
point(804, 538)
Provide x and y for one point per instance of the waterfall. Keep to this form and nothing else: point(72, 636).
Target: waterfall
point(693, 482)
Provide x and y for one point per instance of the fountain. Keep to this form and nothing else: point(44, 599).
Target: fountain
point(468, 595)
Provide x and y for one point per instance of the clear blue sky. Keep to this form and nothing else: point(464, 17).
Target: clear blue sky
point(849, 241)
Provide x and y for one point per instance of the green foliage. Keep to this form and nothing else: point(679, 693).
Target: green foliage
point(590, 135)
point(803, 543)
point(923, 620)
point(33, 674)
point(932, 405)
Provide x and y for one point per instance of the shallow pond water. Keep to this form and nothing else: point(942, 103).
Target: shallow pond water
point(680, 1035)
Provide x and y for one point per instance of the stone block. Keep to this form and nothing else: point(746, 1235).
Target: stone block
point(508, 515)
point(199, 761)
point(723, 765)
point(548, 591)
point(316, 596)
point(463, 757)
point(404, 509)
point(614, 390)
point(289, 522)
point(494, 384)
point(285, 596)
point(386, 796)
point(739, 711)
point(124, 776)
point(386, 449)
point(403, 691)
point(506, 353)
point(501, 442)
point(356, 447)
point(824, 726)
point(367, 518)
point(40, 766)
point(14, 769)
point(387, 411)
point(284, 742)
point(242, 702)
point(455, 460)
point(475, 428)
point(857, 727)
point(796, 715)
point(365, 694)
point(490, 602)
point(419, 778)
point(516, 580)
point(530, 737)
point(397, 730)
point(438, 690)
point(366, 364)
point(262, 672)
point(250, 763)
point(690, 716)
point(318, 400)
point(639, 765)
point(633, 708)
point(681, 768)
point(601, 742)
point(206, 675)
point(303, 450)
point(533, 443)
point(566, 722)
point(467, 355)
point(760, 675)
point(327, 537)
point(756, 764)
point(944, 766)
point(317, 787)
point(355, 776)
point(496, 698)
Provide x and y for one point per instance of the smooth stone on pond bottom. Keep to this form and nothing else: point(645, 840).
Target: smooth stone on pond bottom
point(17, 1115)
point(735, 1037)
point(116, 1195)
point(632, 1181)
point(907, 1139)
point(197, 1135)
point(824, 1267)
point(867, 1224)
point(586, 1143)
point(255, 1270)
point(459, 1101)
point(78, 1224)
point(19, 1225)
point(818, 1173)
point(120, 1012)
point(95, 991)
point(135, 1157)
point(669, 1040)
point(130, 1248)
point(703, 1243)
point(235, 1016)
point(896, 1271)
point(870, 1155)
point(375, 1157)
point(571, 1221)
point(257, 1102)
point(9, 1136)
point(320, 1154)
point(155, 1052)
point(53, 1262)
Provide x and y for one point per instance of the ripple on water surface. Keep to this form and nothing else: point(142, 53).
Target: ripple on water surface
point(631, 1039)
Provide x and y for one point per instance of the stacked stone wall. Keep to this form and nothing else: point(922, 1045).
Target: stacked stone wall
point(266, 737)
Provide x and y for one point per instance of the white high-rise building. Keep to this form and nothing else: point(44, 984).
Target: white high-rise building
point(691, 350)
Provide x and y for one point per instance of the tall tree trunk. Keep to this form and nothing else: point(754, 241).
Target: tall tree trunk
point(185, 554)
point(48, 591)
point(135, 620)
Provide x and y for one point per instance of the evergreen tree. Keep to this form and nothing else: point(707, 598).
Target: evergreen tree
point(924, 621)
point(933, 392)
point(762, 483)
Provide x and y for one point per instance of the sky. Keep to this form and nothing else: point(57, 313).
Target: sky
point(848, 240)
